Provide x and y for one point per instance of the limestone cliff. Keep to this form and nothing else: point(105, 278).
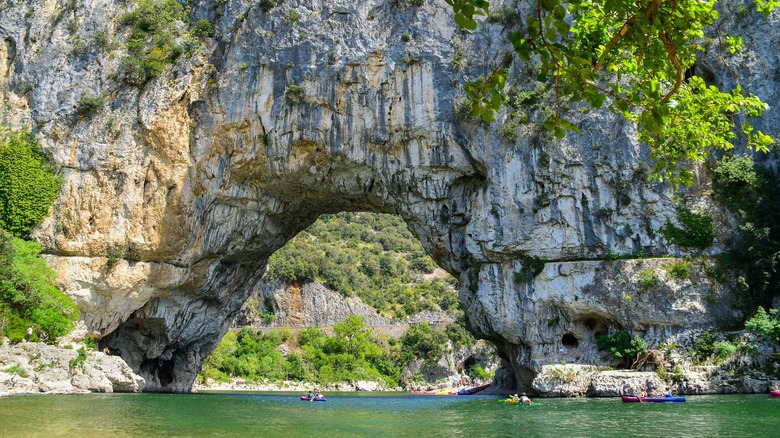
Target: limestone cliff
point(177, 192)
point(301, 305)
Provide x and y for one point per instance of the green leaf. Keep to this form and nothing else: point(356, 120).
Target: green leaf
point(465, 22)
point(559, 12)
point(549, 5)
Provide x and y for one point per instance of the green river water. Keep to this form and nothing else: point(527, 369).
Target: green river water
point(380, 415)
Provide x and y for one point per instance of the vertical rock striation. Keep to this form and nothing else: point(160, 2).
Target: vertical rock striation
point(177, 193)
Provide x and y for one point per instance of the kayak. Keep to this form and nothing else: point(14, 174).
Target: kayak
point(449, 391)
point(307, 398)
point(473, 389)
point(775, 393)
point(510, 401)
point(629, 399)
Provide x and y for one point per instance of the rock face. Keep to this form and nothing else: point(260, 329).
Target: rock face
point(34, 368)
point(301, 305)
point(177, 193)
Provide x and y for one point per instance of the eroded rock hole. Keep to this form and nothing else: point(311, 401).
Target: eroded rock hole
point(570, 341)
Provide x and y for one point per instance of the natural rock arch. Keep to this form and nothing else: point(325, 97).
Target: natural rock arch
point(176, 194)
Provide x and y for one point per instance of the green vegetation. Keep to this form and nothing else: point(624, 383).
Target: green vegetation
point(371, 256)
point(632, 56)
point(87, 106)
point(28, 297)
point(621, 346)
point(680, 269)
point(203, 28)
point(78, 361)
point(155, 27)
point(28, 183)
point(752, 193)
point(766, 326)
point(294, 94)
point(697, 230)
point(353, 352)
point(646, 279)
point(712, 347)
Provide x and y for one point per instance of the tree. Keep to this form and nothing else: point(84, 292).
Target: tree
point(28, 184)
point(28, 296)
point(633, 56)
point(765, 325)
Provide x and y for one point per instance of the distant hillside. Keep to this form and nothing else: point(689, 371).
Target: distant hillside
point(370, 256)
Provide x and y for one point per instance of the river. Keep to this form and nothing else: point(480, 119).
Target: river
point(379, 415)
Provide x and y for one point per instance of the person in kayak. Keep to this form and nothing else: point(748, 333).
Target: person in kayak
point(525, 399)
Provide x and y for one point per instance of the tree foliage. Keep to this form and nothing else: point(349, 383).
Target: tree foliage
point(353, 352)
point(157, 28)
point(28, 183)
point(28, 296)
point(621, 346)
point(752, 193)
point(632, 56)
point(371, 256)
point(765, 325)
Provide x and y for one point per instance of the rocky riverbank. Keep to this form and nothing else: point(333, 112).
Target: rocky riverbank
point(590, 381)
point(37, 368)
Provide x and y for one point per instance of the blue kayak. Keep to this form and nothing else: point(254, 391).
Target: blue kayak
point(307, 398)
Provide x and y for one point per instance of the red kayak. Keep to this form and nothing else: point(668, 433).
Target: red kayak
point(307, 398)
point(775, 393)
point(629, 399)
point(473, 389)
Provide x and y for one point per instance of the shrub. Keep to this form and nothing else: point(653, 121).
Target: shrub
point(267, 5)
point(79, 360)
point(724, 349)
point(764, 325)
point(267, 316)
point(294, 94)
point(79, 48)
point(28, 296)
point(103, 40)
point(87, 106)
point(647, 279)
point(680, 270)
point(112, 257)
point(152, 43)
point(621, 346)
point(704, 346)
point(697, 229)
point(203, 28)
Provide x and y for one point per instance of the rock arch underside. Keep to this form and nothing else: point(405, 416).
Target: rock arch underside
point(176, 194)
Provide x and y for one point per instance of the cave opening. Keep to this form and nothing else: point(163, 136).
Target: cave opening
point(570, 341)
